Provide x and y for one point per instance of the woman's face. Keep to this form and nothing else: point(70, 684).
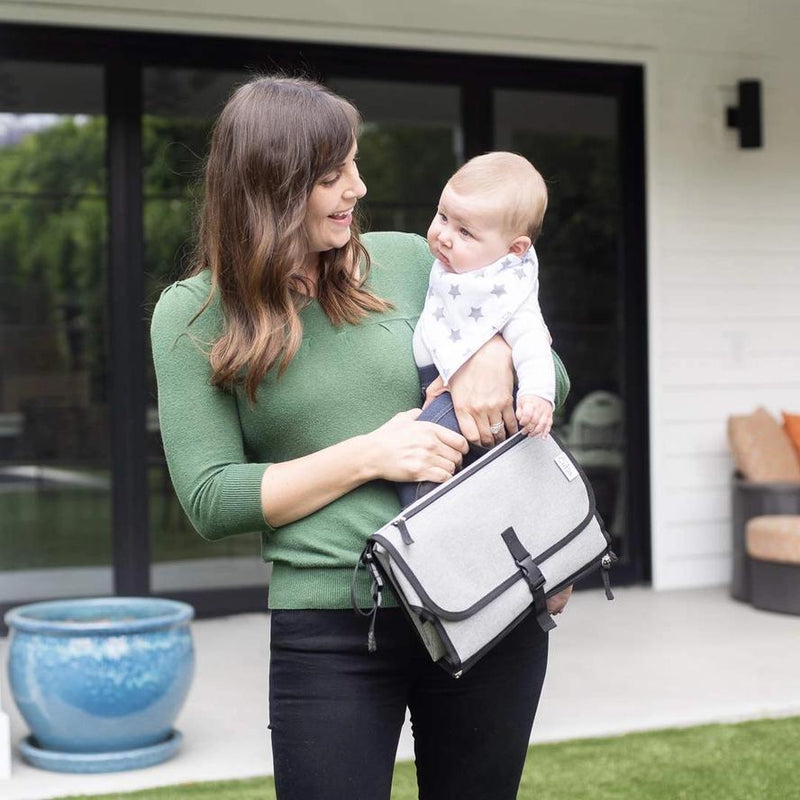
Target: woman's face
point(329, 213)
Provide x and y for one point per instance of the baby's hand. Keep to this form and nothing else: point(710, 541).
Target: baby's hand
point(535, 414)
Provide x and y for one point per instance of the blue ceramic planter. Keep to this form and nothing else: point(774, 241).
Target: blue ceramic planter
point(100, 675)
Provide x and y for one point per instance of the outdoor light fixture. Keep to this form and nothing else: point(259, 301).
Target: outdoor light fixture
point(747, 115)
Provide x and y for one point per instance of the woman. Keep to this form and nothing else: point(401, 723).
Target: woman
point(285, 378)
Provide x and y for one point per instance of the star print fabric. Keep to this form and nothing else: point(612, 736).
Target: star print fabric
point(464, 310)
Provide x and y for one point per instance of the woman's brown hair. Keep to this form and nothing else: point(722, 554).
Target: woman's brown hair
point(276, 138)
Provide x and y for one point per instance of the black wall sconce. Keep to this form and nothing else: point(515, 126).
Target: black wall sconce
point(747, 115)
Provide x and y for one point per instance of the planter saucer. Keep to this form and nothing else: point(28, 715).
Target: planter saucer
point(115, 761)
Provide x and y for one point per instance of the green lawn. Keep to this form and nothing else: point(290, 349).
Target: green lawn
point(749, 761)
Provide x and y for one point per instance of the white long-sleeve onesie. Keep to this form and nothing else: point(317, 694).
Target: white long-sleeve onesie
point(463, 311)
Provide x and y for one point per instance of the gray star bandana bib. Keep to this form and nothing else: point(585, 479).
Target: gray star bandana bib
point(463, 311)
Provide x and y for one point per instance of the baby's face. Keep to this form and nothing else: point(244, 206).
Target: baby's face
point(466, 232)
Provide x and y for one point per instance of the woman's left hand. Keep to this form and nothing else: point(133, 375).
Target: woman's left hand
point(482, 394)
point(556, 603)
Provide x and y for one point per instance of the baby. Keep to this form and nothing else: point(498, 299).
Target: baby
point(485, 280)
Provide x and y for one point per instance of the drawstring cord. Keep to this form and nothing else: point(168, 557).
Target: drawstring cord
point(376, 590)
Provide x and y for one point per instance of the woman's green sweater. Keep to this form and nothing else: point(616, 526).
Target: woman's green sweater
point(344, 381)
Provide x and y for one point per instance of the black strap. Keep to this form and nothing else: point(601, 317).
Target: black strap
point(532, 574)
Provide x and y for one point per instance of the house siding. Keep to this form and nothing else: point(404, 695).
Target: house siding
point(723, 223)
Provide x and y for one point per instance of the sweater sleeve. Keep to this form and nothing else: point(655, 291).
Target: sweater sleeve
point(562, 380)
point(217, 488)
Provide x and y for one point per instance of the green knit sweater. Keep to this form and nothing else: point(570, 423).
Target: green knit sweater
point(343, 382)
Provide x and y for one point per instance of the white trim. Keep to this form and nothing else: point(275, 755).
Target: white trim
point(55, 582)
point(167, 576)
point(205, 573)
point(229, 23)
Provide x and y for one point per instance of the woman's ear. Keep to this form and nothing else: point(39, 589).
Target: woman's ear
point(520, 245)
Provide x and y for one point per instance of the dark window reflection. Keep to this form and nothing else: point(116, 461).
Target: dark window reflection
point(410, 145)
point(572, 140)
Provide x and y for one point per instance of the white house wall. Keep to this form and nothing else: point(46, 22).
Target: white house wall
point(723, 223)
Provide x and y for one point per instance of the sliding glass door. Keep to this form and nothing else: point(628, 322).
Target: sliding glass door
point(102, 140)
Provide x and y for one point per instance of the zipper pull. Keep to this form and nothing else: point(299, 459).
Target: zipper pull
point(606, 563)
point(372, 644)
point(400, 524)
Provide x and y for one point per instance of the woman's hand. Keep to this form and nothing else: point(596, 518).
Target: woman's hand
point(556, 603)
point(403, 449)
point(482, 394)
point(400, 450)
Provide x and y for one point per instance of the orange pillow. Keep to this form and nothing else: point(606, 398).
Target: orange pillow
point(791, 424)
point(761, 449)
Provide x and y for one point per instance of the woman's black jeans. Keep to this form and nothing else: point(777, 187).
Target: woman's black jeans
point(336, 710)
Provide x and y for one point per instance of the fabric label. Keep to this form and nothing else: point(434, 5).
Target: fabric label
point(566, 466)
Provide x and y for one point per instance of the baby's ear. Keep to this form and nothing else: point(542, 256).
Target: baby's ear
point(520, 245)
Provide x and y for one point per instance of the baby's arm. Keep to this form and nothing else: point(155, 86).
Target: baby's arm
point(529, 339)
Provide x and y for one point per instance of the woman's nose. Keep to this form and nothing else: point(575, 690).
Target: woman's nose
point(356, 190)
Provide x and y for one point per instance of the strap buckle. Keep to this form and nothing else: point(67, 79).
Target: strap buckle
point(533, 575)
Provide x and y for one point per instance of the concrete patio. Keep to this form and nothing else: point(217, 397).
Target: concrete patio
point(648, 660)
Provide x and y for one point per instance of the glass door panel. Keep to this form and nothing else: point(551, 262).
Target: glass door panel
point(55, 515)
point(180, 106)
point(572, 139)
point(410, 144)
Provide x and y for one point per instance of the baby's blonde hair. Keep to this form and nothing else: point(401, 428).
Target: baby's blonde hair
point(512, 184)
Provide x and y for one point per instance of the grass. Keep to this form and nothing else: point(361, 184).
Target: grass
point(712, 762)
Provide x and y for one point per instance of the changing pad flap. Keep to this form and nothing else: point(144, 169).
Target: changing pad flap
point(530, 485)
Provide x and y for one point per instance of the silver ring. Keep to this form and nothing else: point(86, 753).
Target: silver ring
point(496, 428)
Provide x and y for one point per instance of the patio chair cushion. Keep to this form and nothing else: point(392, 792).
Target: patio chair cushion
point(791, 424)
point(761, 449)
point(774, 538)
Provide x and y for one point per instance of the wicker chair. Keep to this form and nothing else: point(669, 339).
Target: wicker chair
point(773, 553)
point(766, 483)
